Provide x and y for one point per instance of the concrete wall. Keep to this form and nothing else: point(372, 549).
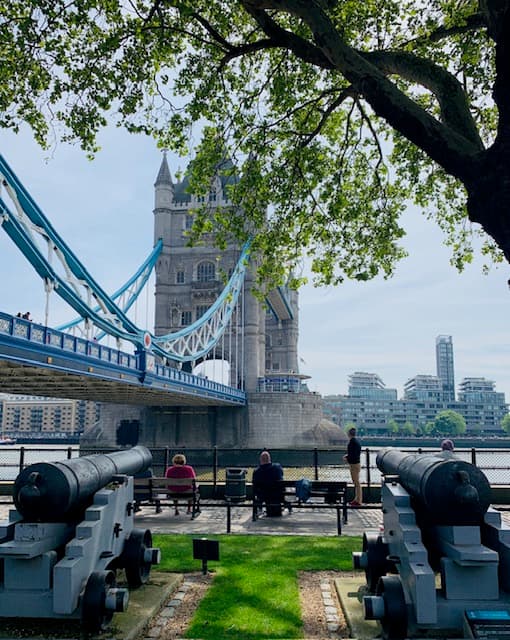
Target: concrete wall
point(171, 426)
point(270, 420)
point(282, 419)
point(104, 433)
point(193, 427)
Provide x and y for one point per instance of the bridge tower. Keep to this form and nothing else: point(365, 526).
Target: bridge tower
point(280, 412)
point(189, 279)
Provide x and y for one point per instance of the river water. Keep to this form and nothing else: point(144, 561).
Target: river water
point(10, 456)
point(495, 463)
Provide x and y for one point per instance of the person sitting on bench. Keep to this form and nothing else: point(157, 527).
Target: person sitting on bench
point(267, 489)
point(180, 469)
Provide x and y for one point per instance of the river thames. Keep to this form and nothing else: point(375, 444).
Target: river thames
point(10, 456)
point(495, 463)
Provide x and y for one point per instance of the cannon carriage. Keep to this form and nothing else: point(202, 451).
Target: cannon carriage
point(72, 529)
point(441, 565)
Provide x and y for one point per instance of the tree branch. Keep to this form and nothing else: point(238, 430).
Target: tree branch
point(216, 35)
point(444, 85)
point(246, 49)
point(283, 38)
point(450, 149)
point(473, 22)
point(344, 94)
point(375, 137)
point(501, 91)
point(494, 12)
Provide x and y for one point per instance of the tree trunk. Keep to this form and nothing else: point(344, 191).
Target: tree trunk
point(489, 194)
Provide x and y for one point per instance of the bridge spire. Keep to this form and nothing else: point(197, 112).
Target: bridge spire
point(163, 197)
point(164, 176)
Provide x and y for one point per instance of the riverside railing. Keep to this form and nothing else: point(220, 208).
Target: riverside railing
point(211, 463)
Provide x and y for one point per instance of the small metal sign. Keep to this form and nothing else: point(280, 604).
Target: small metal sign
point(204, 549)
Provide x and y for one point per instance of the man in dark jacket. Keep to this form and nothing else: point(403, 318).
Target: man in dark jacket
point(353, 458)
point(266, 485)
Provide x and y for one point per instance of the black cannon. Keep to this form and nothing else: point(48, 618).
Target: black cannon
point(71, 531)
point(443, 557)
point(445, 490)
point(52, 491)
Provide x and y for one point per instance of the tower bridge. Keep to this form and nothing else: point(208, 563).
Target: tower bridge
point(197, 318)
point(40, 361)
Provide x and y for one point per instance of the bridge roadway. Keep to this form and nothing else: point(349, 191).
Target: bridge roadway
point(40, 361)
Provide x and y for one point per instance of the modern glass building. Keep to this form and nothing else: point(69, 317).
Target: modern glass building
point(369, 386)
point(424, 387)
point(370, 405)
point(445, 366)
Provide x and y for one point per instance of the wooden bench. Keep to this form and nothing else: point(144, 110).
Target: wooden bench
point(332, 494)
point(155, 491)
point(323, 495)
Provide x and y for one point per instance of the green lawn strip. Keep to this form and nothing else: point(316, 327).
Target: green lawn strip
point(255, 594)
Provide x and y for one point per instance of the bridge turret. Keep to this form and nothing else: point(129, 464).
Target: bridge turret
point(163, 198)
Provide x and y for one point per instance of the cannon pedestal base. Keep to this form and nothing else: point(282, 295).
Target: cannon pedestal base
point(67, 570)
point(434, 575)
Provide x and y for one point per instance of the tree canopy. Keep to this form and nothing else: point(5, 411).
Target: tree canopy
point(448, 423)
point(505, 423)
point(334, 114)
point(392, 426)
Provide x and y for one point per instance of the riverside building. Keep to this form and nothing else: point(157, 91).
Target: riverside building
point(31, 415)
point(371, 406)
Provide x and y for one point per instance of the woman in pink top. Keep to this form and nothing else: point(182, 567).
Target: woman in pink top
point(180, 469)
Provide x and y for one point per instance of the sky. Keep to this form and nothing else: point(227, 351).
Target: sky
point(103, 210)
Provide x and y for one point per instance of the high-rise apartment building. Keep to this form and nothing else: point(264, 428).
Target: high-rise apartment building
point(445, 366)
point(477, 390)
point(368, 400)
point(369, 386)
point(369, 405)
point(423, 387)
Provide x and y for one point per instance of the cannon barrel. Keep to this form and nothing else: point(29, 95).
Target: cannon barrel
point(449, 491)
point(55, 491)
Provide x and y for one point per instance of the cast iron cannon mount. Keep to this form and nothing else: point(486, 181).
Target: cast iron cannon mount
point(72, 529)
point(441, 565)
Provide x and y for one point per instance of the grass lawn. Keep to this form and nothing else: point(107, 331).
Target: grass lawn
point(254, 594)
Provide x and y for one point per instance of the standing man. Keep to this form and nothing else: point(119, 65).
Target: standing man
point(353, 458)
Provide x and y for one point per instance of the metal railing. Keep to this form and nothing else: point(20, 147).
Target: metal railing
point(142, 366)
point(211, 464)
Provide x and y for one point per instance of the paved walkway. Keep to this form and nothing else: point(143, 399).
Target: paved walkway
point(302, 521)
point(213, 520)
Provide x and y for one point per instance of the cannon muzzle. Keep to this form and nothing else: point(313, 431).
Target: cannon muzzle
point(448, 491)
point(55, 491)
